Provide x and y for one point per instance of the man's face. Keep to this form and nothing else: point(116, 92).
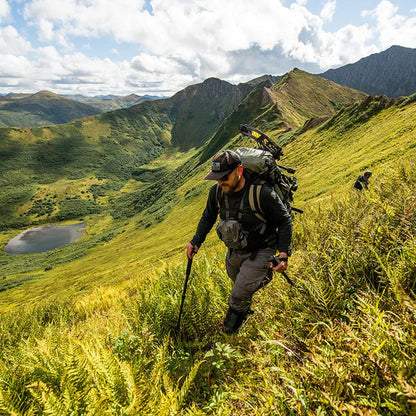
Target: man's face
point(230, 181)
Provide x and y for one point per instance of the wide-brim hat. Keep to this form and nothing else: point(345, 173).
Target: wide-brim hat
point(223, 162)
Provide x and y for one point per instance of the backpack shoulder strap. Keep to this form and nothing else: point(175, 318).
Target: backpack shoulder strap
point(254, 199)
point(218, 195)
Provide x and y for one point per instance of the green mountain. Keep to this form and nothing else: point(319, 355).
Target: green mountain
point(112, 102)
point(89, 328)
point(391, 72)
point(113, 165)
point(40, 109)
point(296, 101)
point(113, 146)
point(200, 110)
point(5, 98)
point(110, 146)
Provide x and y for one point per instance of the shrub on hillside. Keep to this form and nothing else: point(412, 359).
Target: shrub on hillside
point(76, 208)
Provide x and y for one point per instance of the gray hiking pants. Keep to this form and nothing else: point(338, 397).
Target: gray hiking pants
point(249, 272)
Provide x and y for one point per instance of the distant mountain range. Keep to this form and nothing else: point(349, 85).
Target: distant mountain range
point(115, 145)
point(111, 102)
point(46, 108)
point(42, 108)
point(391, 72)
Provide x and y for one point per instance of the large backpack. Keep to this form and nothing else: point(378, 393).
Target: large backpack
point(260, 167)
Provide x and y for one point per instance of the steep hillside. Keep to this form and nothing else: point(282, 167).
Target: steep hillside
point(283, 108)
point(370, 135)
point(100, 153)
point(200, 109)
point(301, 96)
point(89, 328)
point(391, 72)
point(41, 109)
point(103, 152)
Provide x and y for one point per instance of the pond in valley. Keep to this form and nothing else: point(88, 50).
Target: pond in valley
point(40, 239)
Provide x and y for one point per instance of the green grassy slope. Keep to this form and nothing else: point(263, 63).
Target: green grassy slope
point(200, 110)
point(41, 109)
point(90, 159)
point(94, 335)
point(366, 136)
point(101, 153)
point(327, 159)
point(297, 100)
point(301, 96)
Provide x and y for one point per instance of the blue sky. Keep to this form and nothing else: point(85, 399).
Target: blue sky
point(159, 47)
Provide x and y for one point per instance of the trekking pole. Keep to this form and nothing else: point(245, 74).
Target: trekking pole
point(273, 259)
point(289, 280)
point(188, 272)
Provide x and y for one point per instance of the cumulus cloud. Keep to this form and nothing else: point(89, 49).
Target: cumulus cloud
point(201, 32)
point(12, 42)
point(179, 42)
point(4, 9)
point(328, 10)
point(393, 28)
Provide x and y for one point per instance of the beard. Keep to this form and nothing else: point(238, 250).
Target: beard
point(229, 188)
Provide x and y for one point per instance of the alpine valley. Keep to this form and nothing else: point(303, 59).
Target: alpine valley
point(89, 328)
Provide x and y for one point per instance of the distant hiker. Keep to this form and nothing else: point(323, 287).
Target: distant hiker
point(363, 180)
point(250, 241)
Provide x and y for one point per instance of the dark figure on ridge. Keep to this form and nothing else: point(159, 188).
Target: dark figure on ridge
point(363, 180)
point(250, 241)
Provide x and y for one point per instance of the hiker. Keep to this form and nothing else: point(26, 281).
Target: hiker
point(250, 241)
point(363, 180)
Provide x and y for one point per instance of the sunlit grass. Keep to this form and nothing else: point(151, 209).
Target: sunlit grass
point(342, 341)
point(96, 334)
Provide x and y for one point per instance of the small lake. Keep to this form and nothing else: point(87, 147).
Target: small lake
point(40, 239)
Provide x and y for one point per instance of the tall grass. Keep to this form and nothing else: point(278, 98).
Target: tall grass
point(342, 341)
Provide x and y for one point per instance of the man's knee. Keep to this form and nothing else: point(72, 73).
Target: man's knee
point(240, 304)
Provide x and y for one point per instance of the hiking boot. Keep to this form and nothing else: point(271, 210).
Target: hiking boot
point(234, 319)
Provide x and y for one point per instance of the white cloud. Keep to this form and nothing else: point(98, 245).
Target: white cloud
point(88, 17)
point(156, 64)
point(77, 72)
point(11, 42)
point(178, 28)
point(328, 10)
point(4, 9)
point(393, 28)
point(18, 74)
point(185, 41)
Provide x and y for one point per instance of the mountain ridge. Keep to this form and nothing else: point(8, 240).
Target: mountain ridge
point(391, 72)
point(92, 327)
point(271, 107)
point(43, 108)
point(115, 144)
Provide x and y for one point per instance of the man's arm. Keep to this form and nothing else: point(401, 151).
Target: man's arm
point(208, 218)
point(277, 215)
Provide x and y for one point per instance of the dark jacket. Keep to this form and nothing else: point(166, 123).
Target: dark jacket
point(274, 212)
point(361, 180)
